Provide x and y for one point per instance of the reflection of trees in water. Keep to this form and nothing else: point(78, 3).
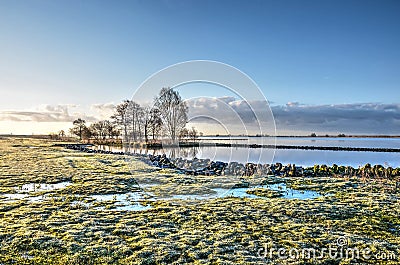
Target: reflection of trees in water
point(187, 152)
point(140, 151)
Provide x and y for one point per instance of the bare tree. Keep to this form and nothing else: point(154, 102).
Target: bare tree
point(193, 134)
point(173, 112)
point(111, 129)
point(79, 126)
point(99, 129)
point(146, 119)
point(184, 134)
point(156, 122)
point(61, 134)
point(134, 116)
point(120, 117)
point(87, 133)
point(150, 121)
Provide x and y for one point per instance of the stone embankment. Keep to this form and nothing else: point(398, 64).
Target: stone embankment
point(201, 166)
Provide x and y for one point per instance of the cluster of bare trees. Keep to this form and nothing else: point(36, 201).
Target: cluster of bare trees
point(191, 134)
point(167, 118)
point(100, 130)
point(137, 123)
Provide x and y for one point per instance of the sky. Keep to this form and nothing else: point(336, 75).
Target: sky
point(324, 66)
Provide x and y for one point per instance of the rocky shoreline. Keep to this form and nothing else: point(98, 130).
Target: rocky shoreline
point(210, 168)
point(202, 166)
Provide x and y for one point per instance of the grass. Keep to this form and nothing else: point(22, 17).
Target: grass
point(217, 231)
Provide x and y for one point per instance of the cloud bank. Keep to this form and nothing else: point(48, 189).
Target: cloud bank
point(292, 118)
point(58, 113)
point(360, 118)
point(369, 118)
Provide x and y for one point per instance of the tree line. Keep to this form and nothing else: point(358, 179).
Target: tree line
point(131, 122)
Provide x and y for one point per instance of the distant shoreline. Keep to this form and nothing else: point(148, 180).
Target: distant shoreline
point(45, 136)
point(300, 147)
point(306, 136)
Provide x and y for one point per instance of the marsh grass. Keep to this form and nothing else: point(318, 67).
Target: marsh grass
point(70, 227)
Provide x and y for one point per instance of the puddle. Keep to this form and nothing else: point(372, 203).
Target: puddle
point(36, 198)
point(293, 194)
point(35, 187)
point(148, 185)
point(124, 198)
point(13, 197)
point(395, 229)
point(21, 196)
point(131, 201)
point(24, 190)
point(241, 193)
point(133, 207)
point(125, 202)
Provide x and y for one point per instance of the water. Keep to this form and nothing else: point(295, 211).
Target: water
point(293, 194)
point(242, 193)
point(25, 191)
point(124, 198)
point(287, 156)
point(311, 141)
point(11, 197)
point(133, 207)
point(124, 202)
point(132, 201)
point(36, 187)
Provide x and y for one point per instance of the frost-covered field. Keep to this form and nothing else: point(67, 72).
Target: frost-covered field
point(60, 206)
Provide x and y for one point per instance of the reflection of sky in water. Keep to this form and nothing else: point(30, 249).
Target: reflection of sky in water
point(23, 192)
point(19, 196)
point(124, 198)
point(293, 194)
point(355, 159)
point(124, 202)
point(132, 201)
point(313, 141)
point(13, 197)
point(132, 207)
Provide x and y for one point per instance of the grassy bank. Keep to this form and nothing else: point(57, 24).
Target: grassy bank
point(67, 226)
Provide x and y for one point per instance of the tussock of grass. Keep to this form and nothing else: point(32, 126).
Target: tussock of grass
point(266, 193)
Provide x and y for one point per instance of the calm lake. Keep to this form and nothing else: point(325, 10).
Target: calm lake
point(286, 156)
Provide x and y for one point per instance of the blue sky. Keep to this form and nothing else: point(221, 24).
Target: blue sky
point(95, 52)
